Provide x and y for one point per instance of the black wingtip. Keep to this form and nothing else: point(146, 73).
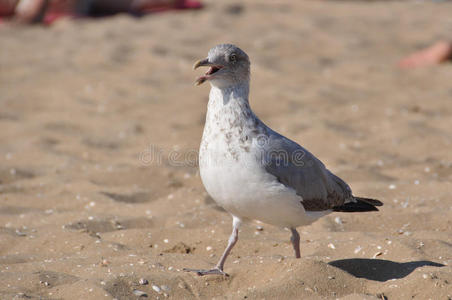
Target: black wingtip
point(361, 205)
point(370, 201)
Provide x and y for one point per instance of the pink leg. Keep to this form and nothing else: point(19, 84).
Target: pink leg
point(295, 239)
point(218, 270)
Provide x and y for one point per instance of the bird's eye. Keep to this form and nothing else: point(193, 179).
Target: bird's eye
point(232, 57)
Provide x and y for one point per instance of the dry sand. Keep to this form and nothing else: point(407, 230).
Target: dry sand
point(100, 123)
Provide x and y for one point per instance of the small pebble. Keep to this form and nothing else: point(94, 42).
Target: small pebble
point(330, 245)
point(104, 262)
point(358, 249)
point(208, 248)
point(392, 186)
point(139, 293)
point(20, 233)
point(156, 288)
point(338, 220)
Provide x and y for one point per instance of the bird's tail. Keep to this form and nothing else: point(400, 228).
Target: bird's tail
point(359, 205)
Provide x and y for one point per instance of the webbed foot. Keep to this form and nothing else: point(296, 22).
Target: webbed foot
point(214, 271)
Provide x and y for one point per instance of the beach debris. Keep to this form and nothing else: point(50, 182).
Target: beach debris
point(143, 281)
point(377, 254)
point(331, 245)
point(407, 233)
point(357, 249)
point(182, 285)
point(45, 283)
point(392, 186)
point(104, 262)
point(338, 220)
point(20, 233)
point(22, 295)
point(181, 225)
point(139, 293)
point(156, 288)
point(119, 226)
point(381, 296)
point(259, 228)
point(404, 204)
point(209, 248)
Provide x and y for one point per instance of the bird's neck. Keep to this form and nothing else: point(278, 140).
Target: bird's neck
point(229, 95)
point(228, 106)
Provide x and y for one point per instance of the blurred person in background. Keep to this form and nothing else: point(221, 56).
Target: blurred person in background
point(47, 11)
point(435, 54)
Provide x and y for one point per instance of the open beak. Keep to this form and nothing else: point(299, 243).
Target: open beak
point(212, 70)
point(201, 63)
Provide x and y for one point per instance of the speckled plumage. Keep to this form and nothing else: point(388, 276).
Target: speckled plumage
point(254, 172)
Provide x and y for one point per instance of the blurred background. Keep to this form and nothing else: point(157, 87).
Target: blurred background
point(100, 125)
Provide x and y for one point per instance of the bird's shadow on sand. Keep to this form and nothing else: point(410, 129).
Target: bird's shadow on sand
point(380, 269)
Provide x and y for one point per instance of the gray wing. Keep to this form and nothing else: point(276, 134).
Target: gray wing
point(297, 168)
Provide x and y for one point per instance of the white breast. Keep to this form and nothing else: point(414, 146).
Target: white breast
point(233, 174)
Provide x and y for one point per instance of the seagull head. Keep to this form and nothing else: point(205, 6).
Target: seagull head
point(228, 66)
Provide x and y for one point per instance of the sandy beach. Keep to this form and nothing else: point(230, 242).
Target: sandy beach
point(100, 194)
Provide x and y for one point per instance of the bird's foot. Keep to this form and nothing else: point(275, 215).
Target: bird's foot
point(214, 271)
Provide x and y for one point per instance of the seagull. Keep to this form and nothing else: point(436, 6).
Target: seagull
point(252, 171)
